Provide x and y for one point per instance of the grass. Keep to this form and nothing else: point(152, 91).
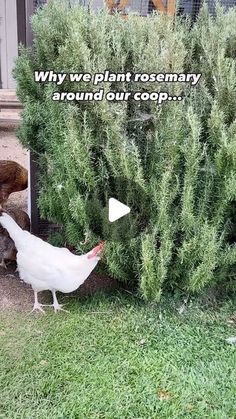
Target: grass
point(115, 358)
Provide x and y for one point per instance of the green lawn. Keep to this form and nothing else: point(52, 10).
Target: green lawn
point(115, 357)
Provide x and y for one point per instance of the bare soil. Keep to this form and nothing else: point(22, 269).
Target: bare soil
point(14, 293)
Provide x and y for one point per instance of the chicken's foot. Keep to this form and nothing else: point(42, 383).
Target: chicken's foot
point(57, 307)
point(37, 305)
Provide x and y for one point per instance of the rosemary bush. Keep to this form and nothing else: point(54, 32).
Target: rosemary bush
point(183, 155)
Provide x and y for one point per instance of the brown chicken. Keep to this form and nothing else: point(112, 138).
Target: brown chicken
point(7, 246)
point(13, 178)
point(20, 217)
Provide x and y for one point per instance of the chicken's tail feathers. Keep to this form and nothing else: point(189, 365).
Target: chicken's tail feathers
point(11, 226)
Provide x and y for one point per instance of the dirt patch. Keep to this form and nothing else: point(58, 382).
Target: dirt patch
point(14, 294)
point(98, 283)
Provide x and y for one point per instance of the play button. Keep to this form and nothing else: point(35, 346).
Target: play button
point(116, 210)
point(120, 212)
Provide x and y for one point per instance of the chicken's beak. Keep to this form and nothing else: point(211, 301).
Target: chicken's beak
point(96, 251)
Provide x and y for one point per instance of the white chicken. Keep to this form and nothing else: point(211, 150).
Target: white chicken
point(46, 267)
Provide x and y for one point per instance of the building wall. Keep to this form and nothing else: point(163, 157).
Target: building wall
point(8, 42)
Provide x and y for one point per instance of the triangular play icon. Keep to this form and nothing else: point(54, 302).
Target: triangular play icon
point(117, 210)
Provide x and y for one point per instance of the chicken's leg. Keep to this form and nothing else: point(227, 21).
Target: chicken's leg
point(37, 305)
point(57, 307)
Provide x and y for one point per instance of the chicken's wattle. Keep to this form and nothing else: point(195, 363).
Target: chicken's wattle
point(96, 250)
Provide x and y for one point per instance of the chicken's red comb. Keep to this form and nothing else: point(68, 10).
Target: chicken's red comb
point(96, 250)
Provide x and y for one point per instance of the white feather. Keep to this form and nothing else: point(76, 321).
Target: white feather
point(46, 267)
